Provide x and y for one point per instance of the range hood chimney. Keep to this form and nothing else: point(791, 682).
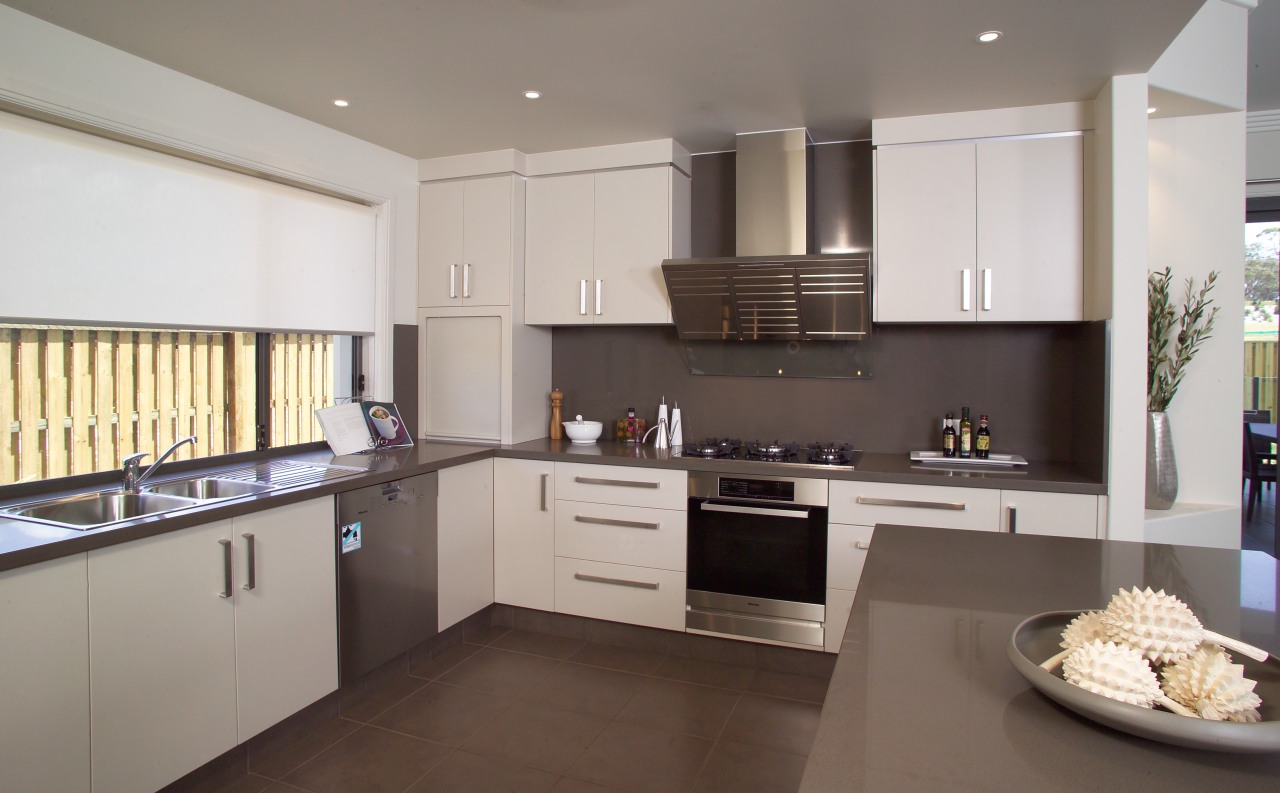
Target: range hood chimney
point(775, 193)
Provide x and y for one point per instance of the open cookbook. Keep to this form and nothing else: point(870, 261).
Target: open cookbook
point(354, 427)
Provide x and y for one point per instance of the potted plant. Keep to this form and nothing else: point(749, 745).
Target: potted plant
point(1168, 355)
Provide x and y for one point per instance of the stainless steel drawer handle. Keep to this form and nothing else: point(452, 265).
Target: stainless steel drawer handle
point(591, 480)
point(862, 546)
point(453, 280)
point(226, 568)
point(253, 563)
point(582, 298)
point(596, 579)
point(628, 524)
point(964, 290)
point(776, 513)
point(986, 290)
point(599, 293)
point(897, 502)
point(545, 479)
point(466, 280)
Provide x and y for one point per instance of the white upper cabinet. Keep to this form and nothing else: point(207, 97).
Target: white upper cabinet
point(986, 231)
point(595, 243)
point(466, 239)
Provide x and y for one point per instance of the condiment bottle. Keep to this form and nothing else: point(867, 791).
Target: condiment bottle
point(966, 434)
point(982, 444)
point(949, 436)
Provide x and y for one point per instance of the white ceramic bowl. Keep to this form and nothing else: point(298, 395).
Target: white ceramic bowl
point(583, 431)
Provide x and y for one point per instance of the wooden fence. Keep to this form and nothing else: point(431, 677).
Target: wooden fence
point(1260, 376)
point(74, 401)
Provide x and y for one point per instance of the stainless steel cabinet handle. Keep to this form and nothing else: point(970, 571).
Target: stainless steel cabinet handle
point(599, 291)
point(777, 513)
point(595, 579)
point(861, 546)
point(466, 280)
point(986, 290)
point(582, 298)
point(1013, 520)
point(591, 480)
point(629, 524)
point(453, 280)
point(226, 568)
point(896, 502)
point(253, 563)
point(965, 288)
point(545, 478)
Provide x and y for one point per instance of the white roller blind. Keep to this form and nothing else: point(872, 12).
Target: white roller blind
point(94, 231)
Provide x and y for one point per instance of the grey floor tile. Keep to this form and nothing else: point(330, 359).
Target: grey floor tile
point(707, 673)
point(570, 785)
point(639, 759)
point(781, 684)
point(544, 644)
point(444, 714)
point(443, 661)
point(622, 659)
point(680, 707)
point(782, 724)
point(538, 736)
point(463, 771)
point(370, 760)
point(739, 768)
point(278, 758)
point(483, 634)
point(375, 692)
point(795, 662)
point(585, 689)
point(500, 672)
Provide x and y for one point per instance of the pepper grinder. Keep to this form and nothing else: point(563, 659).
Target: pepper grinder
point(557, 429)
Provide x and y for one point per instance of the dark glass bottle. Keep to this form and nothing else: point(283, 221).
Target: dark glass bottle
point(966, 434)
point(949, 436)
point(982, 444)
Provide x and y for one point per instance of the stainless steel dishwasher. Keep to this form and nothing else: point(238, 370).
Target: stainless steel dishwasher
point(387, 589)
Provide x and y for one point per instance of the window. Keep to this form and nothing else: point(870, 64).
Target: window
point(76, 400)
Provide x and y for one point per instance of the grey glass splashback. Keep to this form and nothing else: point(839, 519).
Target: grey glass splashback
point(827, 359)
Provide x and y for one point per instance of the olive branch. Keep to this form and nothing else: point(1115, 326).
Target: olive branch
point(1165, 368)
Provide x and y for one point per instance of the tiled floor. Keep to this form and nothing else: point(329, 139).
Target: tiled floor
point(1259, 534)
point(514, 710)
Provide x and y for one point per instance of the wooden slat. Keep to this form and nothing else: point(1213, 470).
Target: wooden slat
point(57, 404)
point(218, 394)
point(126, 394)
point(145, 387)
point(165, 395)
point(291, 387)
point(184, 394)
point(306, 402)
point(104, 401)
point(320, 379)
point(243, 393)
point(30, 443)
point(81, 404)
point(200, 395)
point(279, 408)
point(8, 407)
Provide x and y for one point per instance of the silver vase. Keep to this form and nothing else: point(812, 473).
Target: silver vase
point(1162, 470)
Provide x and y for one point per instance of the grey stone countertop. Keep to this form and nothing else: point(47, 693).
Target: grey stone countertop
point(924, 698)
point(23, 542)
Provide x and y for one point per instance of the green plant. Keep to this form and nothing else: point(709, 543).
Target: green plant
point(1166, 368)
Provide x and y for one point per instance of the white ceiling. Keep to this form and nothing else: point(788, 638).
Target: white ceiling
point(429, 78)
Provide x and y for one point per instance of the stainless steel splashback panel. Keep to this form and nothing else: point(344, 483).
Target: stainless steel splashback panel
point(774, 192)
point(819, 297)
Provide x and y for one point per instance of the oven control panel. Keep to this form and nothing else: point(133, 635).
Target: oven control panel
point(756, 489)
point(776, 489)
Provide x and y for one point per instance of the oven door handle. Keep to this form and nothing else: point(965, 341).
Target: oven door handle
point(712, 506)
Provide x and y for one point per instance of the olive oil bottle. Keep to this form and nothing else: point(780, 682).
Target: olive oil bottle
point(966, 434)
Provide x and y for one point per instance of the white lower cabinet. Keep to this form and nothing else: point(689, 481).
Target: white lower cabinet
point(44, 677)
point(621, 593)
point(847, 548)
point(464, 512)
point(524, 533)
point(869, 503)
point(839, 606)
point(640, 536)
point(198, 642)
point(1053, 514)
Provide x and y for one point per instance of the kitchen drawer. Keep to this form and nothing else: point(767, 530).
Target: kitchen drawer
point(839, 606)
point(1052, 514)
point(624, 535)
point(847, 548)
point(616, 484)
point(621, 593)
point(869, 503)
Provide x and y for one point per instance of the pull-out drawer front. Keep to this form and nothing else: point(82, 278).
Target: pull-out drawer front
point(869, 503)
point(847, 548)
point(619, 484)
point(621, 593)
point(619, 534)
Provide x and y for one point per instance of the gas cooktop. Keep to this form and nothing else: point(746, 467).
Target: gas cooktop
point(832, 455)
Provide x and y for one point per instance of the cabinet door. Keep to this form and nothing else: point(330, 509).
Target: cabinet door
point(162, 659)
point(524, 533)
point(486, 231)
point(462, 371)
point(1031, 229)
point(44, 677)
point(286, 617)
point(925, 233)
point(559, 250)
point(632, 237)
point(465, 513)
point(1053, 514)
point(440, 243)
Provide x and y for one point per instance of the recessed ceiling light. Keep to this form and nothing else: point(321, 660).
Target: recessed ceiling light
point(340, 103)
point(532, 94)
point(1151, 110)
point(989, 36)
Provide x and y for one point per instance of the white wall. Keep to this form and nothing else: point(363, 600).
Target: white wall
point(51, 69)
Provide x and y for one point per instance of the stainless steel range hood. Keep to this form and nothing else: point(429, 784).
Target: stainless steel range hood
point(774, 289)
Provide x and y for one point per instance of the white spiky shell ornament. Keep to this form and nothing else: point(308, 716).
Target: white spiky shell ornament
point(1117, 672)
point(1162, 627)
point(1208, 683)
point(1079, 632)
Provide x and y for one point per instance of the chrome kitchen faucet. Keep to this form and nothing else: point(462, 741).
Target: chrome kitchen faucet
point(132, 481)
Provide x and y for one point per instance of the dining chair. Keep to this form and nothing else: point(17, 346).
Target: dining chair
point(1257, 416)
point(1259, 469)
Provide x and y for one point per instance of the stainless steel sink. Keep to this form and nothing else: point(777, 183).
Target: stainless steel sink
point(91, 510)
point(208, 488)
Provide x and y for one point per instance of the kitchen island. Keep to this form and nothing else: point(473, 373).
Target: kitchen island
point(923, 697)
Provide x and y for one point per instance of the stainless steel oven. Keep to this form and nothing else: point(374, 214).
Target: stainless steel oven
point(757, 559)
